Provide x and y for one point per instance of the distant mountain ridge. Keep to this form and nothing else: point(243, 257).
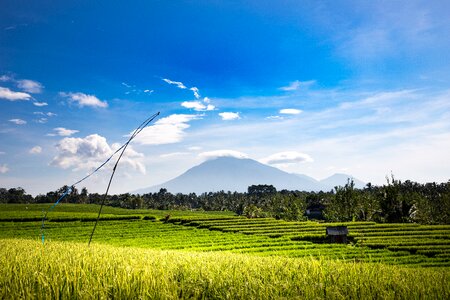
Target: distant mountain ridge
point(341, 179)
point(233, 174)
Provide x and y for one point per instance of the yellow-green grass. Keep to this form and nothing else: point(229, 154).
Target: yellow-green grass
point(72, 270)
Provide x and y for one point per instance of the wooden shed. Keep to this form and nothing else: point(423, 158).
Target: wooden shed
point(337, 234)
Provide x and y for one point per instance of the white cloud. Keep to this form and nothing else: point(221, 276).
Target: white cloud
point(167, 130)
point(177, 83)
point(35, 150)
point(40, 104)
point(228, 116)
point(274, 118)
point(30, 86)
point(196, 92)
point(206, 100)
point(84, 100)
point(61, 131)
point(173, 154)
point(3, 169)
point(89, 152)
point(194, 148)
point(7, 94)
point(222, 153)
point(18, 121)
point(197, 106)
point(288, 157)
point(50, 114)
point(148, 91)
point(295, 85)
point(42, 120)
point(126, 84)
point(290, 111)
point(409, 119)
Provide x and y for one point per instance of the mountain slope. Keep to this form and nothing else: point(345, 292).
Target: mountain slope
point(233, 174)
point(341, 179)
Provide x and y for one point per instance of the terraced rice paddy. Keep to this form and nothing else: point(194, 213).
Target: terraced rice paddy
point(401, 244)
point(203, 255)
point(406, 244)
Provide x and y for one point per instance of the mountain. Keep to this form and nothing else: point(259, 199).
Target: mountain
point(233, 174)
point(341, 179)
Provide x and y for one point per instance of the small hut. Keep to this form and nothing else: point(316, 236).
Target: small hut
point(337, 234)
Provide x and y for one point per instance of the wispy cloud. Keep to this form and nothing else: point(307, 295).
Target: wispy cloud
point(173, 154)
point(132, 89)
point(40, 104)
point(229, 116)
point(288, 157)
point(30, 86)
point(194, 148)
point(89, 152)
point(48, 114)
point(177, 83)
point(15, 26)
point(5, 78)
point(196, 92)
point(295, 85)
point(167, 130)
point(4, 169)
point(290, 111)
point(61, 131)
point(390, 29)
point(6, 93)
point(18, 121)
point(373, 123)
point(35, 150)
point(44, 116)
point(275, 118)
point(84, 100)
point(222, 153)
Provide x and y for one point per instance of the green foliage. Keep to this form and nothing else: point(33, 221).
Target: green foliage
point(395, 201)
point(289, 207)
point(252, 211)
point(433, 207)
point(343, 207)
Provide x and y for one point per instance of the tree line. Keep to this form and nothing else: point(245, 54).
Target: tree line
point(393, 202)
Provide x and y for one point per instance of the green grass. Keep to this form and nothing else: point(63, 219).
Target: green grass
point(72, 270)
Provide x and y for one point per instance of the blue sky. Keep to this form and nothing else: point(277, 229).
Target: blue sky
point(312, 87)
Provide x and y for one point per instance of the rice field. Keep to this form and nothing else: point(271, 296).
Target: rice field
point(192, 254)
point(61, 270)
